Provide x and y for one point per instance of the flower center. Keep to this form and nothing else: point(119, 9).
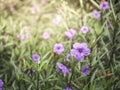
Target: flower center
point(58, 48)
point(80, 50)
point(104, 5)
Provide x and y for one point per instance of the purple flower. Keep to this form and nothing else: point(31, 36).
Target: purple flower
point(96, 14)
point(31, 71)
point(68, 57)
point(34, 8)
point(23, 36)
point(58, 48)
point(84, 29)
point(62, 68)
point(119, 16)
point(46, 35)
point(1, 83)
point(57, 20)
point(104, 5)
point(70, 34)
point(86, 70)
point(12, 9)
point(79, 51)
point(35, 57)
point(59, 11)
point(68, 88)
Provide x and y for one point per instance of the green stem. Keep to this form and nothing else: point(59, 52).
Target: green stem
point(73, 68)
point(38, 78)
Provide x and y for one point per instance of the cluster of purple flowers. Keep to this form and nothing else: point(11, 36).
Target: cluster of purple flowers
point(103, 6)
point(1, 84)
point(79, 51)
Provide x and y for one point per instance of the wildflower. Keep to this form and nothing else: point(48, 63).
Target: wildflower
point(119, 16)
point(59, 11)
point(68, 57)
point(96, 14)
point(70, 34)
point(104, 5)
point(57, 20)
point(34, 8)
point(35, 57)
point(23, 36)
point(33, 70)
point(84, 29)
point(46, 35)
point(20, 36)
point(30, 71)
point(62, 68)
point(1, 83)
point(12, 9)
point(58, 48)
point(68, 88)
point(86, 70)
point(79, 51)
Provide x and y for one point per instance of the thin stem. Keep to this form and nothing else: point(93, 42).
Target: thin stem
point(38, 78)
point(113, 49)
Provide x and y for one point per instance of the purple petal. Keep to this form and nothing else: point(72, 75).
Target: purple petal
point(1, 83)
